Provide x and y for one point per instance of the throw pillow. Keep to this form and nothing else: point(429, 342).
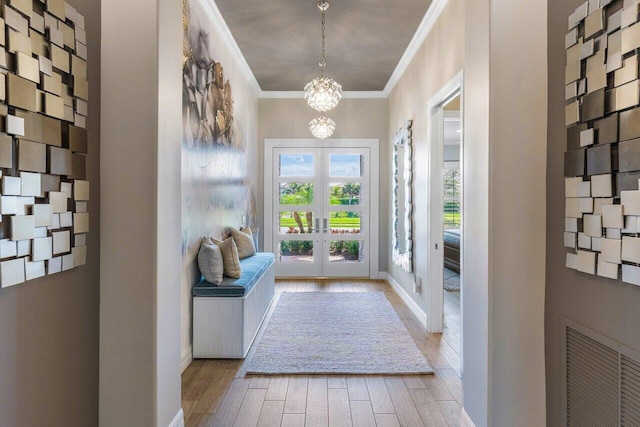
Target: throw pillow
point(230, 258)
point(210, 262)
point(255, 233)
point(244, 241)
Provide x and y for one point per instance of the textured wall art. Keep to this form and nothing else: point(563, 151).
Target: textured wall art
point(602, 161)
point(216, 190)
point(44, 96)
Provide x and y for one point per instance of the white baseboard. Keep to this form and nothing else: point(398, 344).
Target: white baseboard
point(178, 420)
point(382, 275)
point(413, 306)
point(465, 421)
point(187, 358)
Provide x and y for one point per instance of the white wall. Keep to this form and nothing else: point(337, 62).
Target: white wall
point(140, 251)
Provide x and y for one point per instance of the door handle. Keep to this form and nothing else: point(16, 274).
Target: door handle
point(317, 225)
point(325, 225)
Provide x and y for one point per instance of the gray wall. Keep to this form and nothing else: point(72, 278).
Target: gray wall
point(49, 326)
point(504, 207)
point(141, 216)
point(355, 118)
point(606, 306)
point(438, 60)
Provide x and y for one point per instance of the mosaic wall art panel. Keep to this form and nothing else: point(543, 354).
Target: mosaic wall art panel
point(44, 95)
point(602, 161)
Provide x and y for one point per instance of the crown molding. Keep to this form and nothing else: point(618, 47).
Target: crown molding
point(214, 13)
point(300, 94)
point(429, 20)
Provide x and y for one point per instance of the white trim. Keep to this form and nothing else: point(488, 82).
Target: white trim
point(435, 244)
point(187, 358)
point(382, 275)
point(429, 20)
point(227, 38)
point(178, 420)
point(465, 420)
point(300, 94)
point(409, 302)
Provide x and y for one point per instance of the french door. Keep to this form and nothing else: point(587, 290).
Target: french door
point(320, 211)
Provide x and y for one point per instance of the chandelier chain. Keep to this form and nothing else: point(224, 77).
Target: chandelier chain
point(323, 63)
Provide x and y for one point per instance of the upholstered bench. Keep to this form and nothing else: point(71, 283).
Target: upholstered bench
point(226, 318)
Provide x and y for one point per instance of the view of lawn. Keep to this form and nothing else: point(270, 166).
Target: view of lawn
point(287, 220)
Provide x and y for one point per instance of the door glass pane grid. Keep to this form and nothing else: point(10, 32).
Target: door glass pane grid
point(346, 222)
point(293, 165)
point(297, 222)
point(346, 193)
point(296, 193)
point(346, 251)
point(295, 251)
point(346, 165)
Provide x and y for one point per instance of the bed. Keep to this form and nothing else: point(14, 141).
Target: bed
point(452, 250)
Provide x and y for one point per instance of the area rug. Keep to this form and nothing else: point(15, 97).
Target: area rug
point(451, 280)
point(336, 333)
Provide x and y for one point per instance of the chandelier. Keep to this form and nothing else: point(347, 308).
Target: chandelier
point(322, 127)
point(322, 93)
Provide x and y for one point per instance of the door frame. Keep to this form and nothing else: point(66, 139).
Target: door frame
point(435, 197)
point(374, 194)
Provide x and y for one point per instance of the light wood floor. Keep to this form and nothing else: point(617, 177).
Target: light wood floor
point(452, 321)
point(219, 393)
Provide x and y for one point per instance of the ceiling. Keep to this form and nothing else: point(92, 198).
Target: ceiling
point(365, 39)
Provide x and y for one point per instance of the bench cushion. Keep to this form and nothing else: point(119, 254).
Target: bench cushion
point(252, 269)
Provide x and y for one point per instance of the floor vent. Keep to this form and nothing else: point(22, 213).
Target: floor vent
point(602, 385)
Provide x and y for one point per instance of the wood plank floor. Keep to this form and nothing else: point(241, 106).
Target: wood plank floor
point(451, 329)
point(219, 393)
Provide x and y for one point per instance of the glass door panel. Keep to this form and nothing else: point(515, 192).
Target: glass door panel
point(346, 210)
point(297, 212)
point(321, 212)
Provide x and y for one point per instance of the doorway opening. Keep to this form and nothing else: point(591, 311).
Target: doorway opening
point(452, 221)
point(446, 216)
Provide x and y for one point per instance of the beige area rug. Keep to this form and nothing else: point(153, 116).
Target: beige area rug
point(336, 333)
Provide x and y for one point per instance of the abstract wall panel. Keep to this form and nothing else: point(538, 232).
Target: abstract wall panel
point(44, 91)
point(602, 158)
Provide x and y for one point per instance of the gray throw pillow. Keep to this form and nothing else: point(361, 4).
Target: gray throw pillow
point(244, 242)
point(210, 262)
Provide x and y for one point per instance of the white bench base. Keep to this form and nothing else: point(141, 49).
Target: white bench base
point(225, 327)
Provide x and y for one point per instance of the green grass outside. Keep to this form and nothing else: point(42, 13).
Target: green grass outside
point(452, 218)
point(334, 222)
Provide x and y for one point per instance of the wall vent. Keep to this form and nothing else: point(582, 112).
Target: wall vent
point(602, 383)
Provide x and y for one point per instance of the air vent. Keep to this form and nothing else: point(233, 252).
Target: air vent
point(630, 392)
point(602, 385)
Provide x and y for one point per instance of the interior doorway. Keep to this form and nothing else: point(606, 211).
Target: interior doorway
point(452, 222)
point(446, 213)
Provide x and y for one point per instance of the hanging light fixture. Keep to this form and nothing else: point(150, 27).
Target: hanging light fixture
point(322, 127)
point(323, 93)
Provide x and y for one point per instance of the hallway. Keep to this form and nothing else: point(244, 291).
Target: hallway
point(219, 393)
